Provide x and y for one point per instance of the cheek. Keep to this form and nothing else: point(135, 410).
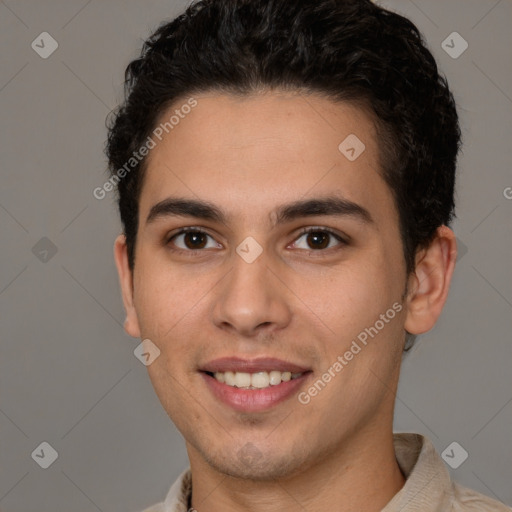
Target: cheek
point(168, 388)
point(163, 297)
point(170, 306)
point(347, 299)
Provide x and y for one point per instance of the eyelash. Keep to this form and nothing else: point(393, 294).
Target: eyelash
point(311, 229)
point(318, 229)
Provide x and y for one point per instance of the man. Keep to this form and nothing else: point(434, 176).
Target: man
point(286, 174)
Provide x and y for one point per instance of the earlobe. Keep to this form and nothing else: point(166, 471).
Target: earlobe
point(131, 323)
point(430, 282)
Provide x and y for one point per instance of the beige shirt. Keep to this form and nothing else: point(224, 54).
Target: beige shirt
point(428, 487)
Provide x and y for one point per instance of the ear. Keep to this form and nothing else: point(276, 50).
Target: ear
point(430, 282)
point(131, 323)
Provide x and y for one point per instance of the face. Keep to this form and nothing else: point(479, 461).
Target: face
point(282, 256)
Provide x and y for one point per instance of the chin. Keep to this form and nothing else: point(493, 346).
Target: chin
point(251, 463)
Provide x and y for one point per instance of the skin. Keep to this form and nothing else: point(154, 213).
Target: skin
point(296, 302)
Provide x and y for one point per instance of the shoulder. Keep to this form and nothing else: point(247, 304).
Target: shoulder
point(468, 500)
point(178, 496)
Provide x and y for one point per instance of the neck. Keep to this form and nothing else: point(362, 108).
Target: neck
point(361, 475)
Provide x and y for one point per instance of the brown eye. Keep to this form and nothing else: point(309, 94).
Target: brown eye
point(318, 240)
point(192, 240)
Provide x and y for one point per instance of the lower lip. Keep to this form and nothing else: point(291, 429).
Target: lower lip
point(253, 400)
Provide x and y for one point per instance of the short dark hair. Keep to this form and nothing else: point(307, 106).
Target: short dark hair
point(345, 50)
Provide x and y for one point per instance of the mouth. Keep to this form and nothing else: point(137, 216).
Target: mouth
point(253, 385)
point(258, 380)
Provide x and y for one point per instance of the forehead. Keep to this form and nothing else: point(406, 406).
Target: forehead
point(250, 153)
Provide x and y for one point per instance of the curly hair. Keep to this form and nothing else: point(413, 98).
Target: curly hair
point(346, 50)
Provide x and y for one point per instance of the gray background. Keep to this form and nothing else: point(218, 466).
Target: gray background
point(68, 375)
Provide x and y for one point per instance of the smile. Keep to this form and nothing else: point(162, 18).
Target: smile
point(258, 380)
point(253, 385)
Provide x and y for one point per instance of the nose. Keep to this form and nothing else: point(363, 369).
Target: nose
point(251, 299)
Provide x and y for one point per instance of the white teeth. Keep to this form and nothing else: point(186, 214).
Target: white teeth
point(242, 380)
point(257, 380)
point(229, 378)
point(260, 380)
point(275, 378)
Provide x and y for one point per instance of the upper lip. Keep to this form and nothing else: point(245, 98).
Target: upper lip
point(261, 364)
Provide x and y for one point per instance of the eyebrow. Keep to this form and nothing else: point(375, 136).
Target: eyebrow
point(328, 206)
